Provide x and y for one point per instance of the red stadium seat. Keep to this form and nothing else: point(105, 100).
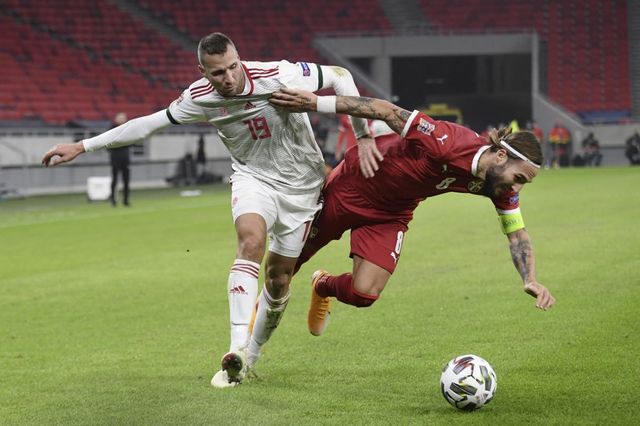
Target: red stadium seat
point(572, 48)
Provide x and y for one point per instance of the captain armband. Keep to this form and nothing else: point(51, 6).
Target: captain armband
point(511, 222)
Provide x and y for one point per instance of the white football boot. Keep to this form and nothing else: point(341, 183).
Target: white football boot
point(233, 370)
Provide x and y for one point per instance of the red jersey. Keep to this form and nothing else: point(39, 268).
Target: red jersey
point(431, 158)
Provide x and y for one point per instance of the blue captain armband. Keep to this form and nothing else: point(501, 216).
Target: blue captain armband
point(511, 222)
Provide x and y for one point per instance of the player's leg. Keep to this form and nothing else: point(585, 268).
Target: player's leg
point(271, 303)
point(254, 213)
point(328, 226)
point(375, 250)
point(114, 184)
point(288, 236)
point(361, 288)
point(125, 183)
point(334, 219)
point(242, 285)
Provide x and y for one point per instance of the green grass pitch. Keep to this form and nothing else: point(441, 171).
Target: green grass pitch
point(119, 316)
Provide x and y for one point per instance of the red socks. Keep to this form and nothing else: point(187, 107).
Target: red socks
point(341, 287)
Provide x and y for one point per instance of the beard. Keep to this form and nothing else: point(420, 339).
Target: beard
point(491, 180)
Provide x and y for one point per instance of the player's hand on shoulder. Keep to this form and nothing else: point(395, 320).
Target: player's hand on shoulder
point(62, 153)
point(294, 100)
point(369, 156)
point(544, 298)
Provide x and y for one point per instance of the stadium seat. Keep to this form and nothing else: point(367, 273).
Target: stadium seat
point(571, 49)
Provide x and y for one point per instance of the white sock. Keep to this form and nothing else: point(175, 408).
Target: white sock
point(242, 291)
point(268, 317)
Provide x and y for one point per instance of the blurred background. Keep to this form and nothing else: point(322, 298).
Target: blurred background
point(568, 69)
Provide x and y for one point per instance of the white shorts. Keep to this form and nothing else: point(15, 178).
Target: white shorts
point(288, 217)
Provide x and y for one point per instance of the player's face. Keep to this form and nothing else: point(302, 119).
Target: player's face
point(224, 72)
point(510, 175)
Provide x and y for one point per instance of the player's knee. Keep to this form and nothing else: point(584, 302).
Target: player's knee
point(278, 284)
point(252, 248)
point(365, 293)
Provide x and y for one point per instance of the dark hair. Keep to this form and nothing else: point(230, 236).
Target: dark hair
point(213, 44)
point(524, 142)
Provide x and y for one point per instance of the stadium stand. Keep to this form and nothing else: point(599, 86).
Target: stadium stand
point(587, 46)
point(111, 34)
point(284, 29)
point(45, 79)
point(90, 62)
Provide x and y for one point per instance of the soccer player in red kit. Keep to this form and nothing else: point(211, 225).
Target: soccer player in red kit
point(429, 158)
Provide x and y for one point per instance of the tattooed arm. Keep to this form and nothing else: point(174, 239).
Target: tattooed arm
point(525, 263)
point(376, 109)
point(296, 100)
point(302, 101)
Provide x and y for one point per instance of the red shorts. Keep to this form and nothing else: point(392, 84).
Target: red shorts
point(376, 236)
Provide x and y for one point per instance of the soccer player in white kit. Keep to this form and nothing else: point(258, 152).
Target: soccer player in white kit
point(278, 174)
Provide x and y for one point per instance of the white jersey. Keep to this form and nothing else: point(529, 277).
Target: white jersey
point(276, 147)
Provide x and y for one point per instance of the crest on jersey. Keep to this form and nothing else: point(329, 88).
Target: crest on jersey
point(223, 112)
point(306, 71)
point(180, 98)
point(475, 186)
point(248, 105)
point(425, 127)
point(515, 199)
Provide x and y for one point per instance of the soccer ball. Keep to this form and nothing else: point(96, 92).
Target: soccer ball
point(468, 382)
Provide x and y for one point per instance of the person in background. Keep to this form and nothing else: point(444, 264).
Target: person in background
point(201, 159)
point(591, 151)
point(560, 142)
point(534, 128)
point(346, 137)
point(119, 159)
point(321, 126)
point(632, 151)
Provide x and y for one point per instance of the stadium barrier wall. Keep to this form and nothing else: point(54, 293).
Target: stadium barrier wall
point(21, 151)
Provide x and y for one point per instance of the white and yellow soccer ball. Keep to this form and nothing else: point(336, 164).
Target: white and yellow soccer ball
point(468, 382)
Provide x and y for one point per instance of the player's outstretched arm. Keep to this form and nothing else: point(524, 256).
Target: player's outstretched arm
point(297, 100)
point(341, 80)
point(133, 131)
point(525, 263)
point(62, 153)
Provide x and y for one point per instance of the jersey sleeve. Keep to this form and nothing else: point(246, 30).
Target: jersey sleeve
point(314, 77)
point(184, 110)
point(507, 203)
point(432, 136)
point(301, 75)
